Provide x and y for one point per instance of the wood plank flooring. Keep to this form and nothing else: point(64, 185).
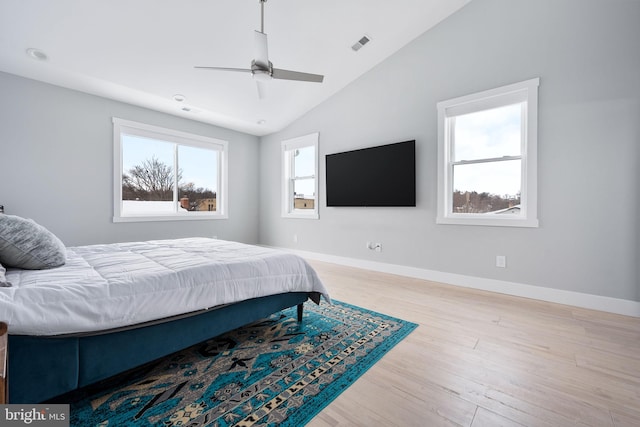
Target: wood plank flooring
point(485, 359)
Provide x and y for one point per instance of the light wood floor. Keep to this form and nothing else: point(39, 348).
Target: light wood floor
point(484, 359)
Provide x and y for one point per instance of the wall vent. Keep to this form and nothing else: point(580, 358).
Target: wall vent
point(364, 40)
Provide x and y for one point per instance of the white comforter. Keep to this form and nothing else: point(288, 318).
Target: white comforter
point(115, 285)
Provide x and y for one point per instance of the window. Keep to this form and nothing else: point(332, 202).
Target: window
point(299, 172)
point(146, 185)
point(487, 157)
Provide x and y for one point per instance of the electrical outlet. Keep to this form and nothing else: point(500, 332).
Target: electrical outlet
point(374, 246)
point(295, 238)
point(501, 261)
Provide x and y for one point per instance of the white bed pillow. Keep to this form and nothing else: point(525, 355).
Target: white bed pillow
point(25, 244)
point(3, 279)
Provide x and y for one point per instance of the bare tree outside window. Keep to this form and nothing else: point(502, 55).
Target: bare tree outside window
point(153, 180)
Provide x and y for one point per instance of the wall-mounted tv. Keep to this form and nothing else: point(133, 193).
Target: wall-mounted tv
point(384, 175)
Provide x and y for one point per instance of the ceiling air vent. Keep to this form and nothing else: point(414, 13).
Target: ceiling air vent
point(364, 40)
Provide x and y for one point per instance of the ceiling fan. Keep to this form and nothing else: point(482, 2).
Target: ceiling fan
point(261, 68)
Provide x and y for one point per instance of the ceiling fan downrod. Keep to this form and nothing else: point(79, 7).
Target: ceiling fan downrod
point(262, 2)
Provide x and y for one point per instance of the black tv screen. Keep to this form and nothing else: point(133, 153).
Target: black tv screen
point(384, 175)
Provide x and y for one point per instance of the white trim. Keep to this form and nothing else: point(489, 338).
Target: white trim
point(192, 216)
point(128, 127)
point(492, 98)
point(527, 92)
point(145, 130)
point(576, 299)
point(310, 140)
point(301, 141)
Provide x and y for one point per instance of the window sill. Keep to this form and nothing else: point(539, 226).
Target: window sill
point(301, 215)
point(488, 222)
point(190, 217)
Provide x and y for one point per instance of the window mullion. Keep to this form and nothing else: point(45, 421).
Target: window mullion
point(292, 179)
point(489, 160)
point(175, 178)
point(524, 188)
point(450, 150)
point(292, 196)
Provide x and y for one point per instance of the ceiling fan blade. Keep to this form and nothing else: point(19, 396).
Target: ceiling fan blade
point(262, 89)
point(261, 51)
point(242, 70)
point(296, 75)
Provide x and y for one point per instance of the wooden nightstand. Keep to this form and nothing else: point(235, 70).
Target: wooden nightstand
point(4, 383)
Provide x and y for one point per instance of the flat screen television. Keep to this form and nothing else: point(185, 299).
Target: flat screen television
point(384, 175)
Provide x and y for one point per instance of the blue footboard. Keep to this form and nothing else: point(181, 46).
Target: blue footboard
point(41, 368)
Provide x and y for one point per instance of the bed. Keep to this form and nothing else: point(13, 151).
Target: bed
point(110, 308)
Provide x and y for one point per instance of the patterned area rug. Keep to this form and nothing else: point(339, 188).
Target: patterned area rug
point(276, 372)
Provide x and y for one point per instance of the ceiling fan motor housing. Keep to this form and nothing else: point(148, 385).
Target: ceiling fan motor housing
point(261, 73)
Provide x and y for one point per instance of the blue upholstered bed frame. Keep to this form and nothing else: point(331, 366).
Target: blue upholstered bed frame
point(41, 368)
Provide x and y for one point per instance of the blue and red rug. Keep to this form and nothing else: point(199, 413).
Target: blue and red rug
point(276, 372)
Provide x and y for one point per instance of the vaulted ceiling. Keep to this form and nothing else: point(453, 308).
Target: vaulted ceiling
point(143, 52)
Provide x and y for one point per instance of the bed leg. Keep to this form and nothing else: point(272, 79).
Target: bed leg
point(300, 309)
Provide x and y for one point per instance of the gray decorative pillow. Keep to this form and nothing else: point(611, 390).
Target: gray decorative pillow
point(25, 244)
point(3, 279)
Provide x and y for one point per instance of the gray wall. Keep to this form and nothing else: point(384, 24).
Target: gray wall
point(587, 56)
point(56, 166)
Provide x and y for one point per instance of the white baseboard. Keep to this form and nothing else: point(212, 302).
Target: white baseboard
point(576, 299)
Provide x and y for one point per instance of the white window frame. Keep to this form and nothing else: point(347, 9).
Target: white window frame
point(128, 127)
point(288, 147)
point(525, 92)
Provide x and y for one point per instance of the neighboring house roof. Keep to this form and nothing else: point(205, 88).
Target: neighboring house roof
point(512, 210)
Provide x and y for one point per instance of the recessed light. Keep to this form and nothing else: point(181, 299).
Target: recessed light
point(187, 109)
point(179, 98)
point(37, 54)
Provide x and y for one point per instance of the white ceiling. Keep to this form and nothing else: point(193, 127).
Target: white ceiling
point(143, 51)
